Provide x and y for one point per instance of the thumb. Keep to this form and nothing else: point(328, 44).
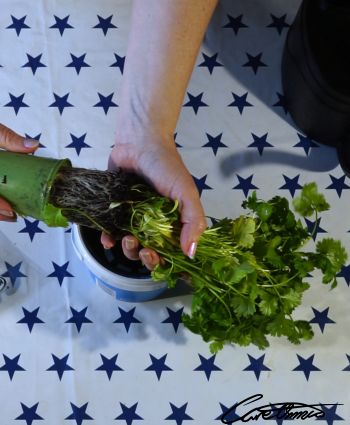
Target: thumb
point(13, 142)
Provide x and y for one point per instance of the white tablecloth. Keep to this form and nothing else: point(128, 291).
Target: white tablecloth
point(70, 353)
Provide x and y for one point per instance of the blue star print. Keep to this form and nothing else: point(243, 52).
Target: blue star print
point(245, 184)
point(330, 414)
point(306, 366)
point(30, 318)
point(16, 102)
point(78, 318)
point(178, 414)
point(13, 272)
point(79, 414)
point(321, 318)
point(105, 24)
point(306, 143)
point(33, 63)
point(61, 24)
point(60, 365)
point(174, 317)
point(29, 414)
point(214, 143)
point(61, 102)
point(127, 318)
point(314, 227)
point(11, 365)
point(18, 24)
point(195, 102)
point(228, 414)
point(260, 143)
point(210, 62)
point(109, 365)
point(31, 227)
point(235, 23)
point(257, 366)
point(345, 273)
point(282, 102)
point(200, 183)
point(105, 102)
point(347, 368)
point(254, 62)
point(129, 414)
point(207, 365)
point(338, 184)
point(158, 365)
point(78, 62)
point(78, 143)
point(60, 272)
point(291, 184)
point(278, 23)
point(240, 102)
point(119, 62)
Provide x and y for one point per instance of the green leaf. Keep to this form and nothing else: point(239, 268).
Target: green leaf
point(52, 216)
point(268, 305)
point(243, 306)
point(310, 200)
point(243, 229)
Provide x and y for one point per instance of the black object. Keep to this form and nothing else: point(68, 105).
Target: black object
point(316, 73)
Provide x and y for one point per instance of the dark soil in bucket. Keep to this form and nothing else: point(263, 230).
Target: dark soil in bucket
point(112, 259)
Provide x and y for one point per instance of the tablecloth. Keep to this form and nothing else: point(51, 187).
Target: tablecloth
point(71, 353)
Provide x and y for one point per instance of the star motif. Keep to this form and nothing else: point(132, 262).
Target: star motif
point(18, 24)
point(347, 368)
point(257, 366)
point(129, 414)
point(235, 23)
point(31, 227)
point(105, 102)
point(78, 318)
point(210, 62)
point(29, 414)
point(195, 102)
point(338, 184)
point(174, 317)
point(314, 227)
point(105, 24)
point(278, 23)
point(260, 143)
point(240, 102)
point(61, 102)
point(60, 272)
point(178, 414)
point(201, 185)
point(119, 62)
point(282, 102)
point(16, 102)
point(228, 414)
point(79, 414)
point(207, 365)
point(11, 365)
point(34, 63)
point(158, 365)
point(306, 366)
point(291, 184)
point(330, 414)
point(245, 184)
point(127, 318)
point(214, 143)
point(306, 143)
point(321, 318)
point(13, 272)
point(109, 365)
point(78, 62)
point(60, 365)
point(78, 143)
point(254, 62)
point(61, 24)
point(345, 273)
point(30, 318)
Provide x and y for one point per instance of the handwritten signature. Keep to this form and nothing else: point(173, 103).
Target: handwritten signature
point(285, 410)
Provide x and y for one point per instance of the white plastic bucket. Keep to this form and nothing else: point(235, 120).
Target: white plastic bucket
point(126, 285)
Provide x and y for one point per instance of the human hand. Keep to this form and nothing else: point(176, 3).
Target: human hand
point(158, 161)
point(11, 141)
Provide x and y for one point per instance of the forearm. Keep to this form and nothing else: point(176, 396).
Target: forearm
point(164, 40)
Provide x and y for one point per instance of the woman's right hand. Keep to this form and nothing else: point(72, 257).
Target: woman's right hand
point(11, 141)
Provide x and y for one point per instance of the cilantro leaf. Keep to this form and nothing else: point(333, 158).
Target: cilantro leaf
point(310, 200)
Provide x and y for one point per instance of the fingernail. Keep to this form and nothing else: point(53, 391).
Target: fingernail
point(146, 257)
point(109, 246)
point(130, 243)
point(30, 143)
point(7, 213)
point(192, 250)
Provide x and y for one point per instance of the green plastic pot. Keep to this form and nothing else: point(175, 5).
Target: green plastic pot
point(26, 181)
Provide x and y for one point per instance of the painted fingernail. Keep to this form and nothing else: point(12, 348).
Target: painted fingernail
point(192, 250)
point(30, 143)
point(130, 243)
point(7, 213)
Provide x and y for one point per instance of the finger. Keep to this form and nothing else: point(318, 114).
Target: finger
point(130, 247)
point(13, 142)
point(149, 258)
point(107, 241)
